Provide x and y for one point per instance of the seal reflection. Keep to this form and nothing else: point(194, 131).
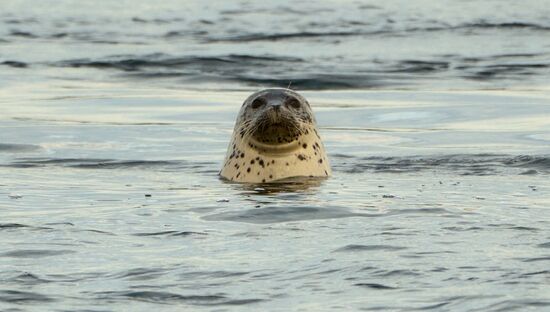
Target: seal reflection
point(289, 185)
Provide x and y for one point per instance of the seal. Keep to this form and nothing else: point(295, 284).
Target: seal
point(275, 137)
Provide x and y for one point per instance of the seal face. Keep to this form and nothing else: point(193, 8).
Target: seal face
point(275, 137)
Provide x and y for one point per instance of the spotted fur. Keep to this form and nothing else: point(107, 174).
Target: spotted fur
point(275, 137)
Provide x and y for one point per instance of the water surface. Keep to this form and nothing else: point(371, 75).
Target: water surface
point(116, 117)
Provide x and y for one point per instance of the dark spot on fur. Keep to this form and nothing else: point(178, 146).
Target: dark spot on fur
point(287, 164)
point(242, 155)
point(263, 180)
point(248, 170)
point(320, 161)
point(257, 158)
point(273, 161)
point(238, 174)
point(326, 173)
point(262, 163)
point(304, 145)
point(271, 176)
point(301, 157)
point(252, 162)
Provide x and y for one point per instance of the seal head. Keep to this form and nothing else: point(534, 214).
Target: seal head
point(275, 137)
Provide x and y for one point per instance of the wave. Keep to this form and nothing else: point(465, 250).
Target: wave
point(91, 163)
point(279, 71)
point(417, 66)
point(17, 148)
point(132, 63)
point(386, 31)
point(374, 286)
point(24, 34)
point(34, 253)
point(491, 72)
point(290, 35)
point(20, 226)
point(264, 70)
point(464, 164)
point(322, 81)
point(23, 297)
point(274, 214)
point(204, 167)
point(156, 20)
point(276, 71)
point(167, 297)
point(505, 25)
point(170, 233)
point(15, 64)
point(279, 214)
point(357, 248)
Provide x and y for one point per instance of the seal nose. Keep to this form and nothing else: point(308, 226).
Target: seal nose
point(274, 112)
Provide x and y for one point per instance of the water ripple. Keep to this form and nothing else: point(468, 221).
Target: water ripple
point(464, 164)
point(537, 259)
point(355, 248)
point(35, 253)
point(18, 148)
point(170, 233)
point(141, 274)
point(27, 279)
point(374, 286)
point(168, 297)
point(15, 296)
point(91, 163)
point(273, 214)
point(7, 226)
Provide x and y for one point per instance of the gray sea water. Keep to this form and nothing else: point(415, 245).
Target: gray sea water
point(115, 117)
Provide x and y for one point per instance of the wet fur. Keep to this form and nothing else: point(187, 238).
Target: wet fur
point(270, 144)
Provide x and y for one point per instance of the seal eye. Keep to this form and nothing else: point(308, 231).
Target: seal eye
point(294, 103)
point(257, 103)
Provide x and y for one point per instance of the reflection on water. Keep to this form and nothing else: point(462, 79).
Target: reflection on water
point(288, 185)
